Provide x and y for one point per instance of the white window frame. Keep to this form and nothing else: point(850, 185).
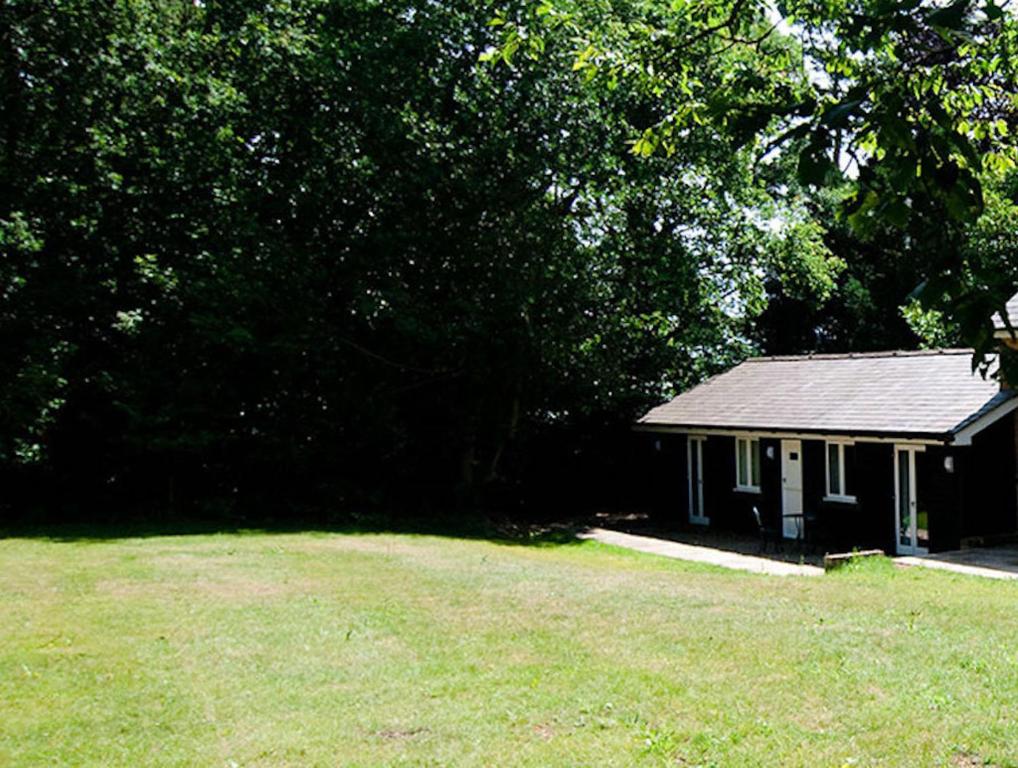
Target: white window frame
point(831, 495)
point(750, 441)
point(910, 450)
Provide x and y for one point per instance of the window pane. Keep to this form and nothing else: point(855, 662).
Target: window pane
point(849, 479)
point(742, 461)
point(754, 450)
point(920, 501)
point(904, 501)
point(833, 469)
point(922, 526)
point(694, 478)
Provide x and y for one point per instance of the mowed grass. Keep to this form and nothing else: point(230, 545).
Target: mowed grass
point(381, 649)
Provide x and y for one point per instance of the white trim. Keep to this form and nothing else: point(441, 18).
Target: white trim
point(964, 436)
point(697, 441)
point(792, 509)
point(764, 433)
point(749, 487)
point(845, 498)
point(901, 549)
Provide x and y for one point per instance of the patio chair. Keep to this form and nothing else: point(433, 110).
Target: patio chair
point(766, 533)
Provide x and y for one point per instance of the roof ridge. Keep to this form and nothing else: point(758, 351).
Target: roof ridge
point(860, 355)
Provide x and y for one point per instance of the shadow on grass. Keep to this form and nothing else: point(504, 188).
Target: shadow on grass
point(499, 532)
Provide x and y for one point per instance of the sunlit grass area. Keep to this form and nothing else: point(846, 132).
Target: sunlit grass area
point(382, 649)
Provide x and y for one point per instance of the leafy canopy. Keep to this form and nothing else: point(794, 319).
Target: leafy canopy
point(907, 103)
point(253, 248)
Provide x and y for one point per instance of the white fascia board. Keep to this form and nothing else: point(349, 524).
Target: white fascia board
point(964, 435)
point(791, 434)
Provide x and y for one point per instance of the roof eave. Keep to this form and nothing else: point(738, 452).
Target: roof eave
point(964, 432)
point(862, 434)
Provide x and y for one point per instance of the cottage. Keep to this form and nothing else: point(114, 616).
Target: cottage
point(910, 452)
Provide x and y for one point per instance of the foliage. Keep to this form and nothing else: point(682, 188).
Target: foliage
point(865, 310)
point(929, 325)
point(257, 247)
point(372, 250)
point(910, 103)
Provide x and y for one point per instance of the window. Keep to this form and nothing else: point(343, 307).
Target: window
point(695, 465)
point(841, 471)
point(747, 464)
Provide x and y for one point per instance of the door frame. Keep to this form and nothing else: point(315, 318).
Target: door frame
point(792, 446)
point(910, 450)
point(694, 452)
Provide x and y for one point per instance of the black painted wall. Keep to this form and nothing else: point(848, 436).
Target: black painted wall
point(770, 482)
point(939, 493)
point(667, 480)
point(988, 482)
point(869, 521)
point(977, 499)
point(718, 480)
point(732, 509)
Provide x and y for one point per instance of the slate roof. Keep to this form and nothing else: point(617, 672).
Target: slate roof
point(920, 394)
point(1012, 315)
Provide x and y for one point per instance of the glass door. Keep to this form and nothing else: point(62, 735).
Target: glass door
point(695, 474)
point(911, 519)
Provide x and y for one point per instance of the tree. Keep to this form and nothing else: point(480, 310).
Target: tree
point(289, 252)
point(907, 102)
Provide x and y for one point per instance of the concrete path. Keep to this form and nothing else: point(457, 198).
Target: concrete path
point(696, 554)
point(989, 562)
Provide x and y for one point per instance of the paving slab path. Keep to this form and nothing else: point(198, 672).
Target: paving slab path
point(988, 563)
point(699, 554)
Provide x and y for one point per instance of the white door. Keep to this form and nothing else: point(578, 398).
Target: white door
point(911, 522)
point(694, 460)
point(791, 488)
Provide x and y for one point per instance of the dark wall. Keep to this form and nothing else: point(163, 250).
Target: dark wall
point(872, 516)
point(769, 499)
point(669, 488)
point(718, 481)
point(813, 468)
point(870, 521)
point(726, 508)
point(988, 480)
point(939, 492)
point(977, 499)
point(731, 509)
point(867, 523)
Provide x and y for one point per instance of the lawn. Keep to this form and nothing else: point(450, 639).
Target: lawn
point(381, 649)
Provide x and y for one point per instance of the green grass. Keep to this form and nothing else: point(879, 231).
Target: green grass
point(381, 649)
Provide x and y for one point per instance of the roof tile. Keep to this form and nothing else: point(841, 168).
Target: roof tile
point(901, 393)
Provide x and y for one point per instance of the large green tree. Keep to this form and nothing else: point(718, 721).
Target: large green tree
point(281, 250)
point(907, 104)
